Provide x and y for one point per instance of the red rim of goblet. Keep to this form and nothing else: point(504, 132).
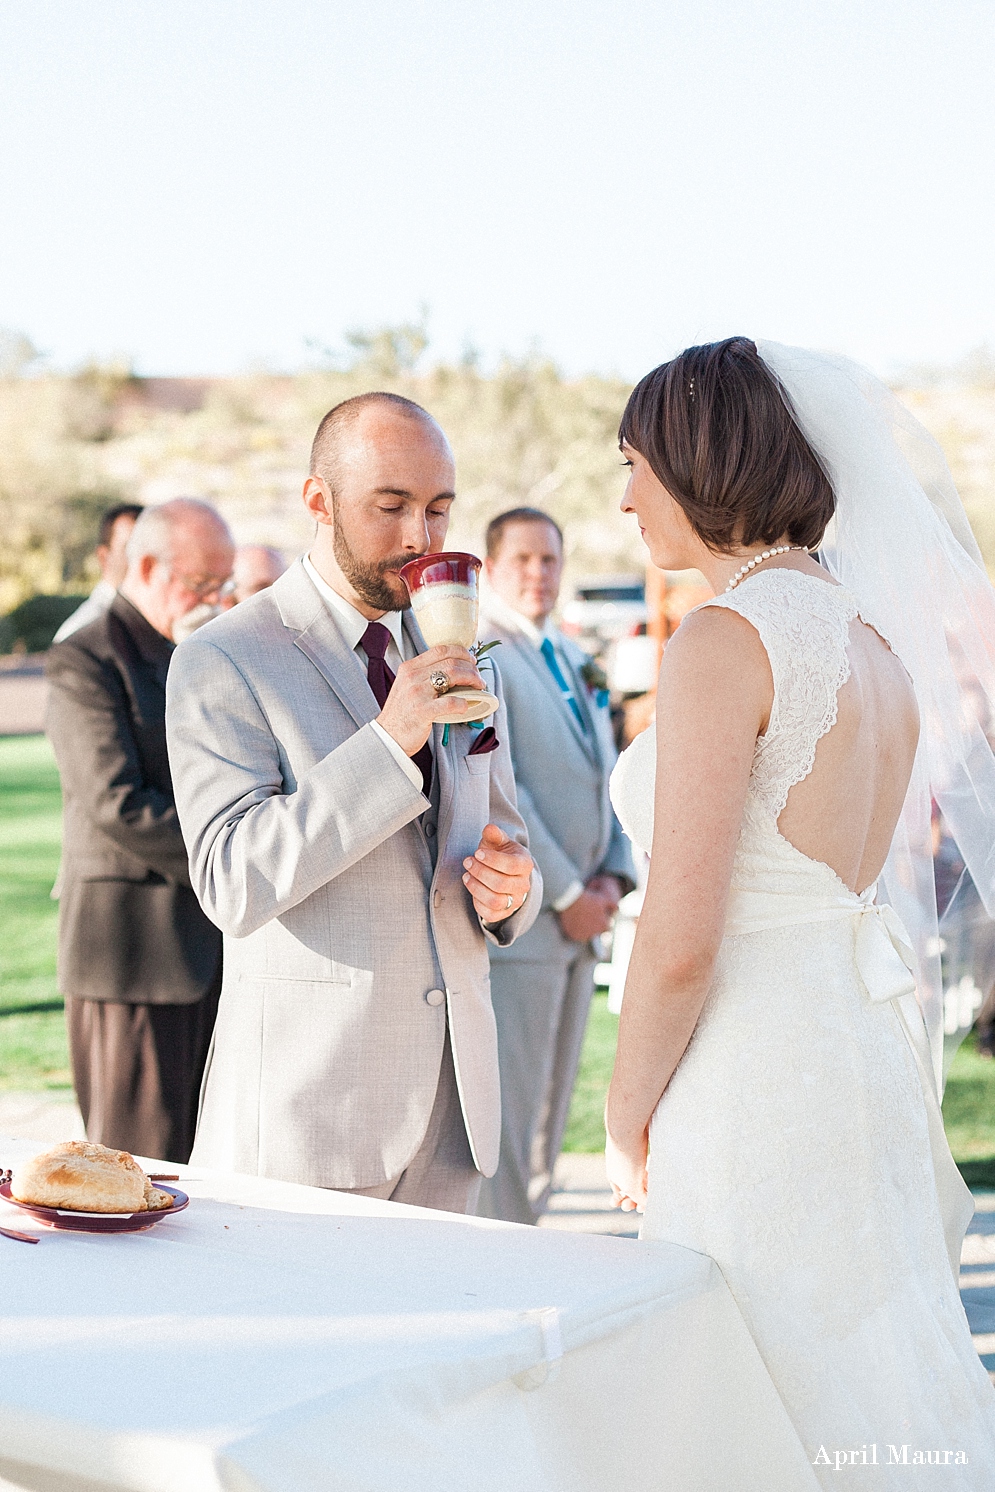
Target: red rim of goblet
point(433, 569)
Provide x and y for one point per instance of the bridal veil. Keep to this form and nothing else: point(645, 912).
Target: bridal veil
point(901, 544)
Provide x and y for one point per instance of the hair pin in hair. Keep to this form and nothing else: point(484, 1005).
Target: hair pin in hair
point(691, 391)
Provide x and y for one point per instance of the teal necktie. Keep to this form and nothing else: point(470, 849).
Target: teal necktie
point(549, 653)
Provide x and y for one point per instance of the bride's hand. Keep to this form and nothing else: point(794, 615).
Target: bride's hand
point(626, 1168)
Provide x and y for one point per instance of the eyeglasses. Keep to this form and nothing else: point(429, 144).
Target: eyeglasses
point(204, 586)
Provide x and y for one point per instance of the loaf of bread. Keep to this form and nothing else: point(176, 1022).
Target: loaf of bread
point(87, 1178)
point(156, 1200)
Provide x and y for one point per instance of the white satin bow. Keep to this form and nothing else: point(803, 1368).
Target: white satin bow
point(884, 953)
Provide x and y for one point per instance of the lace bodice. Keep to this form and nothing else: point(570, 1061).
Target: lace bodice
point(803, 623)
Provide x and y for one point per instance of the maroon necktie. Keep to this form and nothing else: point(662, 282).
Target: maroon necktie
point(374, 643)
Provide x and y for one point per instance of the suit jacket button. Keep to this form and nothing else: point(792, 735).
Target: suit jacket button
point(435, 996)
point(438, 899)
point(430, 829)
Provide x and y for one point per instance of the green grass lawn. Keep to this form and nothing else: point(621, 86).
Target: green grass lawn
point(969, 1115)
point(33, 1052)
point(585, 1127)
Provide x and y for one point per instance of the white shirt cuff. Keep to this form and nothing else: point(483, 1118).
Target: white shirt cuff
point(404, 761)
point(569, 896)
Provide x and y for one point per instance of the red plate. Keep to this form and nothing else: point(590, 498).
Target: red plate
point(100, 1222)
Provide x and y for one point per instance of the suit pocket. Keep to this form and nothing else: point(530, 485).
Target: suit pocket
point(302, 1019)
point(478, 765)
point(484, 742)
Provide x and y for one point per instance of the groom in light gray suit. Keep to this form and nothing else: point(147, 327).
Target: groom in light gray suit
point(357, 857)
point(563, 752)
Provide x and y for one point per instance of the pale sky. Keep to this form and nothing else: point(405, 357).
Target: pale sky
point(203, 185)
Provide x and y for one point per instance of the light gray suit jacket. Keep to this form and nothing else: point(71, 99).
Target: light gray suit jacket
point(337, 885)
point(561, 773)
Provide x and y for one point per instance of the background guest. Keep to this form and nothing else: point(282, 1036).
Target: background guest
point(257, 566)
point(115, 531)
point(563, 751)
point(255, 569)
point(139, 963)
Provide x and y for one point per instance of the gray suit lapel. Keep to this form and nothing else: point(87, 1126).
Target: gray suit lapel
point(540, 667)
point(321, 642)
point(497, 626)
point(338, 665)
point(445, 776)
point(585, 703)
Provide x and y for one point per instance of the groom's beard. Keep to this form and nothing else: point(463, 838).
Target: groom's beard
point(371, 582)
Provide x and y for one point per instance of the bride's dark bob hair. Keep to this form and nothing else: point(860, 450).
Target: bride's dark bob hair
point(716, 427)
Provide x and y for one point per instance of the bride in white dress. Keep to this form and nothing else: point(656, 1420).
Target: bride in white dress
point(773, 1061)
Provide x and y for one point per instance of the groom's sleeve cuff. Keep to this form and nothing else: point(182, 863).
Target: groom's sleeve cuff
point(404, 761)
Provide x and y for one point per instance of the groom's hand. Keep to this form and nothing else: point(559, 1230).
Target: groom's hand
point(497, 877)
point(413, 704)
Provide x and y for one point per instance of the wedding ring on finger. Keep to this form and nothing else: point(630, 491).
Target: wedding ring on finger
point(439, 682)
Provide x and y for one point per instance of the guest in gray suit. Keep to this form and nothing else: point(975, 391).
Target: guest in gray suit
point(357, 857)
point(563, 752)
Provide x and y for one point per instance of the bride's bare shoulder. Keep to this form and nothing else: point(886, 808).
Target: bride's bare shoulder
point(715, 634)
point(716, 660)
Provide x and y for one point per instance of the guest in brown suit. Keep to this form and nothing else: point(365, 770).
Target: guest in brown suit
point(139, 963)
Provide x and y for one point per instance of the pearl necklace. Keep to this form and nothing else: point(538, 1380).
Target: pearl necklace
point(758, 559)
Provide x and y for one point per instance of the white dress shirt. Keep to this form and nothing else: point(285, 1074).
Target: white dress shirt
point(352, 624)
point(499, 611)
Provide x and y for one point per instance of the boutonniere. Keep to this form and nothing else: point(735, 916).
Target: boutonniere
point(596, 680)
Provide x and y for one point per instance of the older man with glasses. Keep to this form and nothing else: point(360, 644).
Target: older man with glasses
point(139, 962)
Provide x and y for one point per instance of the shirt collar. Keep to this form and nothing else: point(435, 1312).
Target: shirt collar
point(499, 611)
point(352, 623)
point(154, 648)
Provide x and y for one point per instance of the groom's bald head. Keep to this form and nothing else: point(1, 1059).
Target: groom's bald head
point(357, 420)
point(381, 485)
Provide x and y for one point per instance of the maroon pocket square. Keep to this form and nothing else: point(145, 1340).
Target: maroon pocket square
point(484, 741)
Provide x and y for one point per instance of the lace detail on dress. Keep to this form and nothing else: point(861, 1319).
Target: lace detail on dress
point(804, 625)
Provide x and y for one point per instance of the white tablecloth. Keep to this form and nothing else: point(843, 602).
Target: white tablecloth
point(279, 1338)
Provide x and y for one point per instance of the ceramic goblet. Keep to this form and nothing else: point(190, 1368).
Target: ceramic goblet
point(445, 599)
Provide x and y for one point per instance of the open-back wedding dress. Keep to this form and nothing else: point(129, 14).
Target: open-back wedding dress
point(799, 1142)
